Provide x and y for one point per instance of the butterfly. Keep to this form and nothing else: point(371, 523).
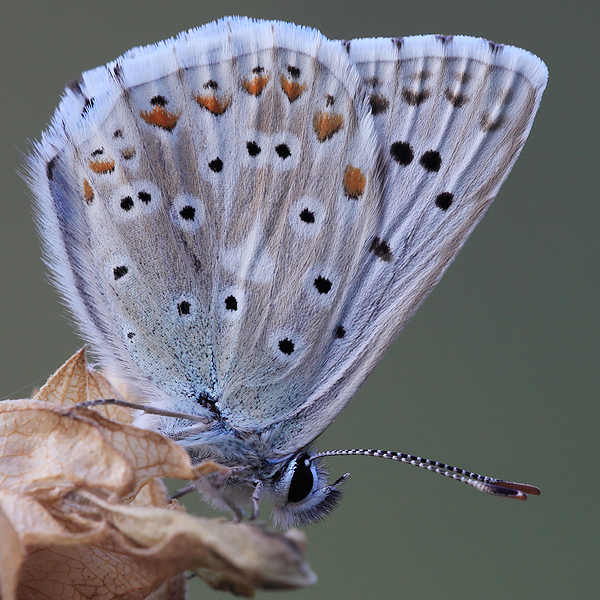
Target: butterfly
point(243, 218)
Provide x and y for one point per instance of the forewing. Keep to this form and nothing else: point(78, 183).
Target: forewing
point(452, 115)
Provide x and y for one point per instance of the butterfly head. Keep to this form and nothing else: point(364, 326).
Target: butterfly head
point(301, 491)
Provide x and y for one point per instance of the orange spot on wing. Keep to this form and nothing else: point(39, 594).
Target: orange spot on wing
point(159, 116)
point(102, 166)
point(326, 125)
point(256, 85)
point(354, 182)
point(213, 104)
point(292, 89)
point(88, 192)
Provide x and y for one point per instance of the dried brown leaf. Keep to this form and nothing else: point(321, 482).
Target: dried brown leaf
point(12, 555)
point(83, 513)
point(75, 382)
point(245, 556)
point(46, 452)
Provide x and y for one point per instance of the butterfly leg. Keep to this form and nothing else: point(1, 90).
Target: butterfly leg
point(258, 488)
point(237, 511)
point(192, 487)
point(213, 491)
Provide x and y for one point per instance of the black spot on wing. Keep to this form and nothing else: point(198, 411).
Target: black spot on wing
point(402, 153)
point(322, 284)
point(286, 346)
point(431, 161)
point(158, 101)
point(231, 303)
point(444, 200)
point(379, 103)
point(120, 271)
point(381, 249)
point(253, 148)
point(183, 308)
point(216, 165)
point(415, 98)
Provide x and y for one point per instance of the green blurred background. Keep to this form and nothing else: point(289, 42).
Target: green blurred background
point(498, 371)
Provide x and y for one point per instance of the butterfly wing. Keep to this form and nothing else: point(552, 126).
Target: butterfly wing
point(452, 115)
point(243, 219)
point(206, 203)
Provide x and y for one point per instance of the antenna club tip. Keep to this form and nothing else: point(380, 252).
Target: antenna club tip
point(520, 487)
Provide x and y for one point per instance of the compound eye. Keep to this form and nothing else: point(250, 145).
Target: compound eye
point(302, 481)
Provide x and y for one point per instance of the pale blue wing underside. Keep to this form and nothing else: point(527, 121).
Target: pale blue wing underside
point(245, 217)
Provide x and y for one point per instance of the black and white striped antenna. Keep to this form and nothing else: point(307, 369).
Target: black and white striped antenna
point(489, 485)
